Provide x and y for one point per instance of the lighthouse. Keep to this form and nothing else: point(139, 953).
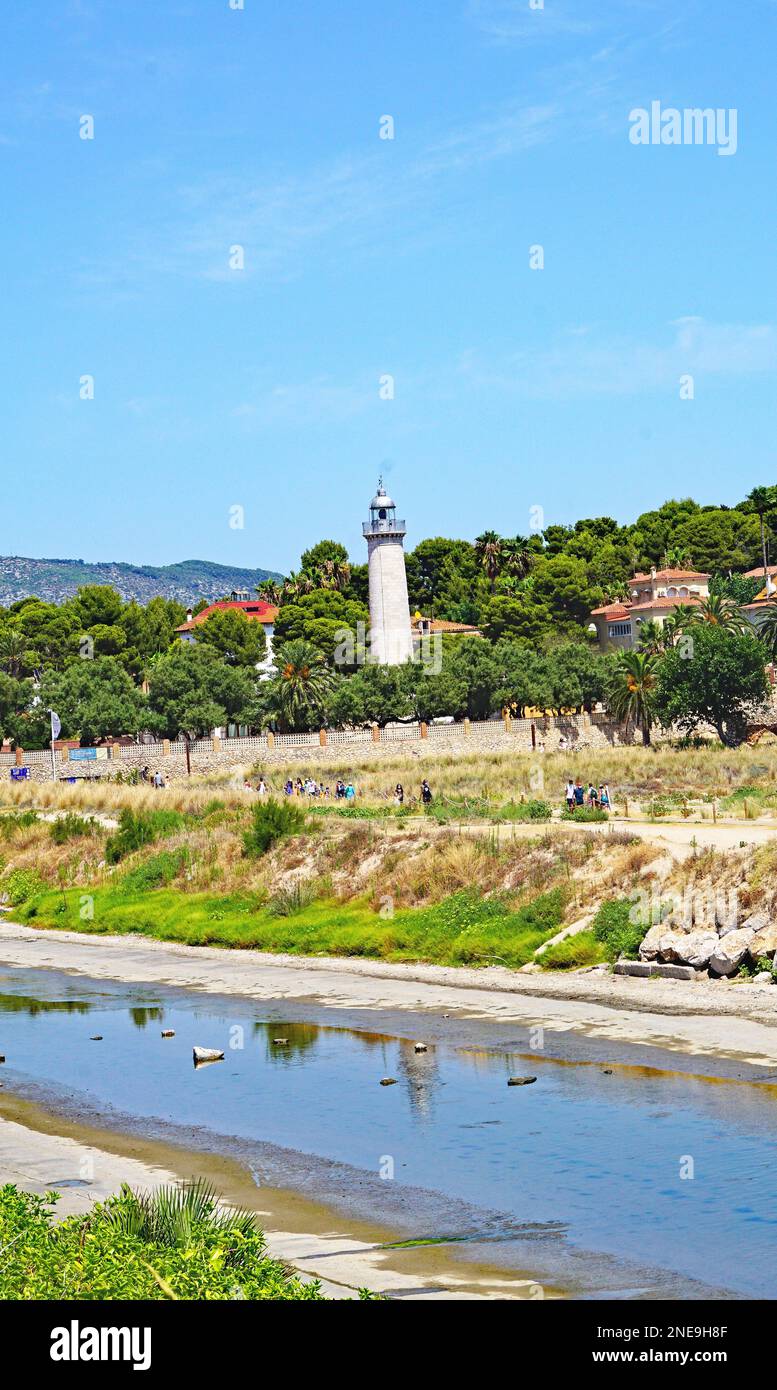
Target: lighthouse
point(391, 640)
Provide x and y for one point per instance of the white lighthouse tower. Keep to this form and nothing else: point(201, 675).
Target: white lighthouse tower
point(391, 637)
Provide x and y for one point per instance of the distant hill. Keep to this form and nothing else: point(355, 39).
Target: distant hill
point(189, 581)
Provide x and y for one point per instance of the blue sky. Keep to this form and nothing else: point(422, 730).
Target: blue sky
point(514, 388)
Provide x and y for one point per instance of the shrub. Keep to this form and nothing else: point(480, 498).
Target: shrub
point(172, 1244)
point(585, 813)
point(157, 872)
point(525, 811)
point(139, 828)
point(272, 821)
point(20, 885)
point(613, 928)
point(70, 827)
point(16, 820)
point(288, 901)
point(573, 953)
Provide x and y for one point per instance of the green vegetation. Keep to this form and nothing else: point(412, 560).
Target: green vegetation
point(464, 929)
point(110, 667)
point(585, 813)
point(174, 1244)
point(71, 827)
point(614, 929)
point(271, 821)
point(138, 828)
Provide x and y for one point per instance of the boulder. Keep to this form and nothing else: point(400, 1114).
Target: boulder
point(521, 1080)
point(651, 941)
point(168, 1032)
point(670, 945)
point(388, 1081)
point(696, 947)
point(764, 977)
point(419, 1047)
point(731, 951)
point(207, 1054)
point(764, 943)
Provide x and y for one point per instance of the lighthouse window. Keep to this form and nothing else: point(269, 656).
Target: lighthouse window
point(382, 513)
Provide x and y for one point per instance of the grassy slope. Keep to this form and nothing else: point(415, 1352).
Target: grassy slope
point(463, 929)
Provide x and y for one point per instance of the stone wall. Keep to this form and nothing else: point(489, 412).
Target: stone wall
point(337, 750)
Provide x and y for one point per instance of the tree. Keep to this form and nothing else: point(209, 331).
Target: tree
point(97, 604)
point(301, 688)
point(720, 612)
point(95, 699)
point(488, 548)
point(766, 630)
point(374, 695)
point(15, 699)
point(472, 662)
point(271, 591)
point(632, 697)
point(14, 654)
point(320, 619)
point(238, 639)
point(763, 500)
point(505, 616)
point(191, 691)
point(562, 584)
point(719, 681)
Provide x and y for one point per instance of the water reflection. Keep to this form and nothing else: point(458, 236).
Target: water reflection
point(141, 1017)
point(28, 1004)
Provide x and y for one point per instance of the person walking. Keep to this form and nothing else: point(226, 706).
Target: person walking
point(579, 793)
point(399, 794)
point(426, 793)
point(569, 795)
point(604, 797)
point(262, 787)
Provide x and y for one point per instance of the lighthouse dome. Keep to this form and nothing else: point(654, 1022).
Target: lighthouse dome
point(382, 499)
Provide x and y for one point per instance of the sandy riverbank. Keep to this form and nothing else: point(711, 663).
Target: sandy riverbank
point(704, 1018)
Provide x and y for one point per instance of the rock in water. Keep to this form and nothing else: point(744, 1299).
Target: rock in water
point(98, 1037)
point(388, 1081)
point(207, 1054)
point(168, 1032)
point(420, 1047)
point(520, 1080)
point(280, 1042)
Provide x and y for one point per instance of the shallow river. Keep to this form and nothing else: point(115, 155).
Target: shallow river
point(608, 1178)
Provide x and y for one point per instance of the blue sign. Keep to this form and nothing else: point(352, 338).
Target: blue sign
point(20, 774)
point(83, 755)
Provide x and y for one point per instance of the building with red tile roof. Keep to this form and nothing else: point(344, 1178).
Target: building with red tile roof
point(652, 597)
point(256, 610)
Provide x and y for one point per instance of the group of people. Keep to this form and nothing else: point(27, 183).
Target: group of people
point(595, 797)
point(156, 779)
point(343, 791)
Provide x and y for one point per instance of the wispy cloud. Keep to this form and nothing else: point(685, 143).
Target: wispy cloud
point(585, 363)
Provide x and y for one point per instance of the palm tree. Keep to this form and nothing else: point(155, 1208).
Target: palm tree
point(677, 557)
point(516, 557)
point(270, 590)
point(652, 637)
point(334, 574)
point(763, 500)
point(302, 684)
point(767, 630)
point(13, 650)
point(678, 622)
point(292, 586)
point(633, 698)
point(721, 612)
point(488, 549)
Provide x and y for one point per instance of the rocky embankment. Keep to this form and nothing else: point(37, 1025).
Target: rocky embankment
point(719, 946)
